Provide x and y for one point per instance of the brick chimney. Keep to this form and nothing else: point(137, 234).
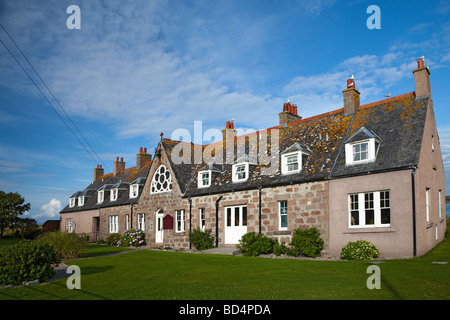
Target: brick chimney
point(422, 78)
point(229, 133)
point(351, 97)
point(118, 165)
point(142, 157)
point(289, 114)
point(98, 172)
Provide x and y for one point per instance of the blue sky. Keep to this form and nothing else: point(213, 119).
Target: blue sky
point(139, 68)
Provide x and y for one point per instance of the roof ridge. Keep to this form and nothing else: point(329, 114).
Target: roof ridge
point(386, 100)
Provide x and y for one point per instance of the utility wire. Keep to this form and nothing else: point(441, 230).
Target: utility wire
point(40, 78)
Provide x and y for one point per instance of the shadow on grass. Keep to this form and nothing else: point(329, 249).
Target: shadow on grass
point(45, 294)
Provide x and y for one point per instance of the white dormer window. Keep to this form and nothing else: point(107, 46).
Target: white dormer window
point(114, 193)
point(362, 147)
point(72, 202)
point(293, 158)
point(291, 162)
point(361, 151)
point(100, 196)
point(240, 172)
point(204, 179)
point(134, 191)
point(80, 201)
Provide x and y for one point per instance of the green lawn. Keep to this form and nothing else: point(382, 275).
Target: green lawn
point(148, 274)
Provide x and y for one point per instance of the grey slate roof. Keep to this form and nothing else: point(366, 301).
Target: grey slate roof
point(122, 181)
point(397, 123)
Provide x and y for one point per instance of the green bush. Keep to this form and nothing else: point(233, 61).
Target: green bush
point(26, 261)
point(132, 238)
point(306, 242)
point(279, 248)
point(113, 238)
point(359, 250)
point(252, 244)
point(67, 244)
point(201, 240)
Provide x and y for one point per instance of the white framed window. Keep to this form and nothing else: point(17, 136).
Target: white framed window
point(141, 221)
point(291, 162)
point(113, 224)
point(204, 179)
point(369, 209)
point(101, 196)
point(202, 219)
point(282, 215)
point(81, 201)
point(240, 172)
point(114, 194)
point(361, 151)
point(127, 222)
point(161, 181)
point(72, 202)
point(179, 220)
point(69, 225)
point(134, 191)
point(427, 203)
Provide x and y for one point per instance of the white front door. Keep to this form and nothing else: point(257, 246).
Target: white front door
point(159, 232)
point(235, 223)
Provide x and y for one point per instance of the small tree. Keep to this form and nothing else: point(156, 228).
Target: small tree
point(12, 205)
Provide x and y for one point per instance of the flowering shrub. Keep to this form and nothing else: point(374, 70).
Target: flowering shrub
point(360, 250)
point(132, 238)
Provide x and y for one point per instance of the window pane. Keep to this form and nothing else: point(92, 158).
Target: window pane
point(236, 216)
point(244, 216)
point(283, 221)
point(354, 218)
point(364, 147)
point(385, 215)
point(228, 217)
point(370, 217)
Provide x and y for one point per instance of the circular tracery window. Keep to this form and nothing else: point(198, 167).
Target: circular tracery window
point(162, 181)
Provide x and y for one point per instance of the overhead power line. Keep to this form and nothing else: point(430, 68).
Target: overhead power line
point(48, 101)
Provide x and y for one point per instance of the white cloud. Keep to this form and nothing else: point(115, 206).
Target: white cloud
point(50, 210)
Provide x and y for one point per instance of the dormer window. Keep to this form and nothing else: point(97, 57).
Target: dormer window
point(362, 147)
point(72, 202)
point(204, 179)
point(114, 194)
point(80, 201)
point(101, 196)
point(291, 162)
point(240, 172)
point(360, 151)
point(293, 158)
point(134, 191)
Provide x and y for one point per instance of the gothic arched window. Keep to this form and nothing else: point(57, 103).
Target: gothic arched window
point(161, 181)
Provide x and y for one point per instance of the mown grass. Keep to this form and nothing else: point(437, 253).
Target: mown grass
point(156, 275)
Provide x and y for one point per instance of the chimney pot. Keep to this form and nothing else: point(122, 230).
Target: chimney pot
point(117, 159)
point(140, 150)
point(289, 114)
point(422, 78)
point(98, 172)
point(351, 97)
point(142, 158)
